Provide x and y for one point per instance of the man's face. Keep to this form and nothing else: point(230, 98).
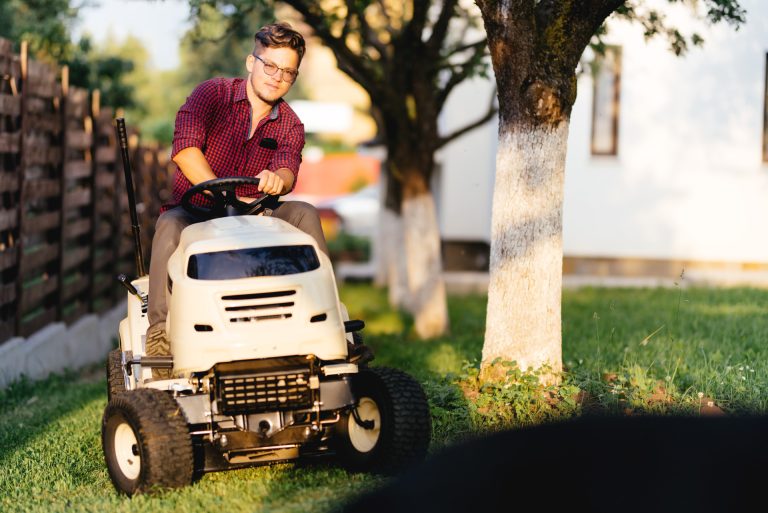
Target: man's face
point(268, 88)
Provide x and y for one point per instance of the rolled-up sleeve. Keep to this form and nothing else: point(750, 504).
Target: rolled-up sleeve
point(288, 154)
point(195, 117)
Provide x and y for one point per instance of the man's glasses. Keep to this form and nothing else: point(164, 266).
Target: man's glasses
point(286, 74)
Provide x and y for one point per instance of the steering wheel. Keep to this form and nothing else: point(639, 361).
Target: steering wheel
point(221, 193)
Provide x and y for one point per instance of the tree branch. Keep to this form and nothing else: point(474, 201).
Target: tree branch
point(440, 29)
point(460, 72)
point(582, 19)
point(369, 35)
point(477, 45)
point(419, 18)
point(352, 64)
point(492, 110)
point(347, 21)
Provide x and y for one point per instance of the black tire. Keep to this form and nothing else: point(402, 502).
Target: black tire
point(146, 442)
point(115, 376)
point(402, 434)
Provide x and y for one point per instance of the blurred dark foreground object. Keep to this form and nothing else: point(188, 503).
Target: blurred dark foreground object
point(595, 464)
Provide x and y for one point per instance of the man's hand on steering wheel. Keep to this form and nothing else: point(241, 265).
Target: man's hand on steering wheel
point(270, 183)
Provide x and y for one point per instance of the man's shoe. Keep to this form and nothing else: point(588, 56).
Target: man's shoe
point(157, 344)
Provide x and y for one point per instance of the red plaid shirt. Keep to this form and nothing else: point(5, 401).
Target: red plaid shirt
point(216, 118)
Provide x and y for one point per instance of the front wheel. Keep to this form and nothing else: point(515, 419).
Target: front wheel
point(393, 426)
point(146, 442)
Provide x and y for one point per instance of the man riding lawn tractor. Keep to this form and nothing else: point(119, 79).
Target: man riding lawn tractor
point(249, 357)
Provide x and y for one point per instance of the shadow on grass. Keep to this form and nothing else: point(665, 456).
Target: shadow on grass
point(28, 408)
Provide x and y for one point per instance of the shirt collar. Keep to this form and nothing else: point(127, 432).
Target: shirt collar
point(241, 94)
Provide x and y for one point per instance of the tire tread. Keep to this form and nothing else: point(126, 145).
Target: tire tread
point(166, 445)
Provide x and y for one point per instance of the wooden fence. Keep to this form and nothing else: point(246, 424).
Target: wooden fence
point(65, 231)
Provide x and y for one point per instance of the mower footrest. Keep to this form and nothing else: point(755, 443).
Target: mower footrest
point(155, 362)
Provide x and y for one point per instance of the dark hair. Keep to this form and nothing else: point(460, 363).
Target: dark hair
point(280, 35)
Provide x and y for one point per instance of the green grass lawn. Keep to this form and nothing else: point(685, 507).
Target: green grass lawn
point(626, 351)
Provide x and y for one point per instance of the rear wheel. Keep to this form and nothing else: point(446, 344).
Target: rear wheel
point(115, 376)
point(393, 427)
point(146, 442)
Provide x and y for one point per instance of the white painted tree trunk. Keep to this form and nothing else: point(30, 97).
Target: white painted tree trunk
point(393, 264)
point(380, 249)
point(426, 287)
point(526, 269)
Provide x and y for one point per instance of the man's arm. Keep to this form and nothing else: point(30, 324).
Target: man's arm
point(193, 165)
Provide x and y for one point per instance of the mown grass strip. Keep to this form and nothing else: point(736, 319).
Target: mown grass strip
point(629, 351)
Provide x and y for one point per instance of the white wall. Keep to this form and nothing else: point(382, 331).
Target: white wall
point(467, 165)
point(688, 181)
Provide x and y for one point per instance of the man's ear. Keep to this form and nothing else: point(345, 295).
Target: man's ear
point(249, 62)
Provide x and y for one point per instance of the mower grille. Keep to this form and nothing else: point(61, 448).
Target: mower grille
point(263, 306)
point(260, 393)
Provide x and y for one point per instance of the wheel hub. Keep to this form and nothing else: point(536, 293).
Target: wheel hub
point(127, 451)
point(363, 439)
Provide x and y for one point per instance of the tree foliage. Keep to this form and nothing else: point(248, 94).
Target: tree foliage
point(45, 24)
point(91, 69)
point(655, 23)
point(217, 43)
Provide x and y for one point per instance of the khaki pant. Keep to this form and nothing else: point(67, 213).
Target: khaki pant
point(168, 232)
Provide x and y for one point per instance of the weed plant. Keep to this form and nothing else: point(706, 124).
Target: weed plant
point(625, 352)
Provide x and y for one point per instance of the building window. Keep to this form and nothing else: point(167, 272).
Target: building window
point(765, 113)
point(606, 73)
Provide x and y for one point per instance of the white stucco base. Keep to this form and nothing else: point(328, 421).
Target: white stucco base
point(58, 347)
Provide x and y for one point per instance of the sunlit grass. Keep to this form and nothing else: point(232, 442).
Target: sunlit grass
point(630, 351)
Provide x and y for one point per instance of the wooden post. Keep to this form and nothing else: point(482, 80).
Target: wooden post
point(10, 112)
point(63, 113)
point(95, 108)
point(24, 61)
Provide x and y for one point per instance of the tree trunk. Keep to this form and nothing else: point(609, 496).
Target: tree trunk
point(392, 251)
point(426, 286)
point(523, 320)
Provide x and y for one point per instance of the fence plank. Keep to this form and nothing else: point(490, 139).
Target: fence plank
point(7, 293)
point(42, 255)
point(9, 182)
point(77, 228)
point(33, 295)
point(77, 169)
point(10, 105)
point(42, 155)
point(41, 188)
point(75, 257)
point(42, 222)
point(8, 219)
point(77, 198)
point(29, 326)
point(73, 314)
point(7, 259)
point(79, 139)
point(106, 155)
point(41, 122)
point(9, 142)
point(77, 287)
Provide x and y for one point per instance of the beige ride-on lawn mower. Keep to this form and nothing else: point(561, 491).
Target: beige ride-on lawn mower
point(264, 365)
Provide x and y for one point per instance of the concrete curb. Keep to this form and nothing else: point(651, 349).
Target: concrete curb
point(58, 347)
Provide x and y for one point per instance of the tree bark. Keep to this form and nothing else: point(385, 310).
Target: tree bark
point(426, 286)
point(523, 322)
